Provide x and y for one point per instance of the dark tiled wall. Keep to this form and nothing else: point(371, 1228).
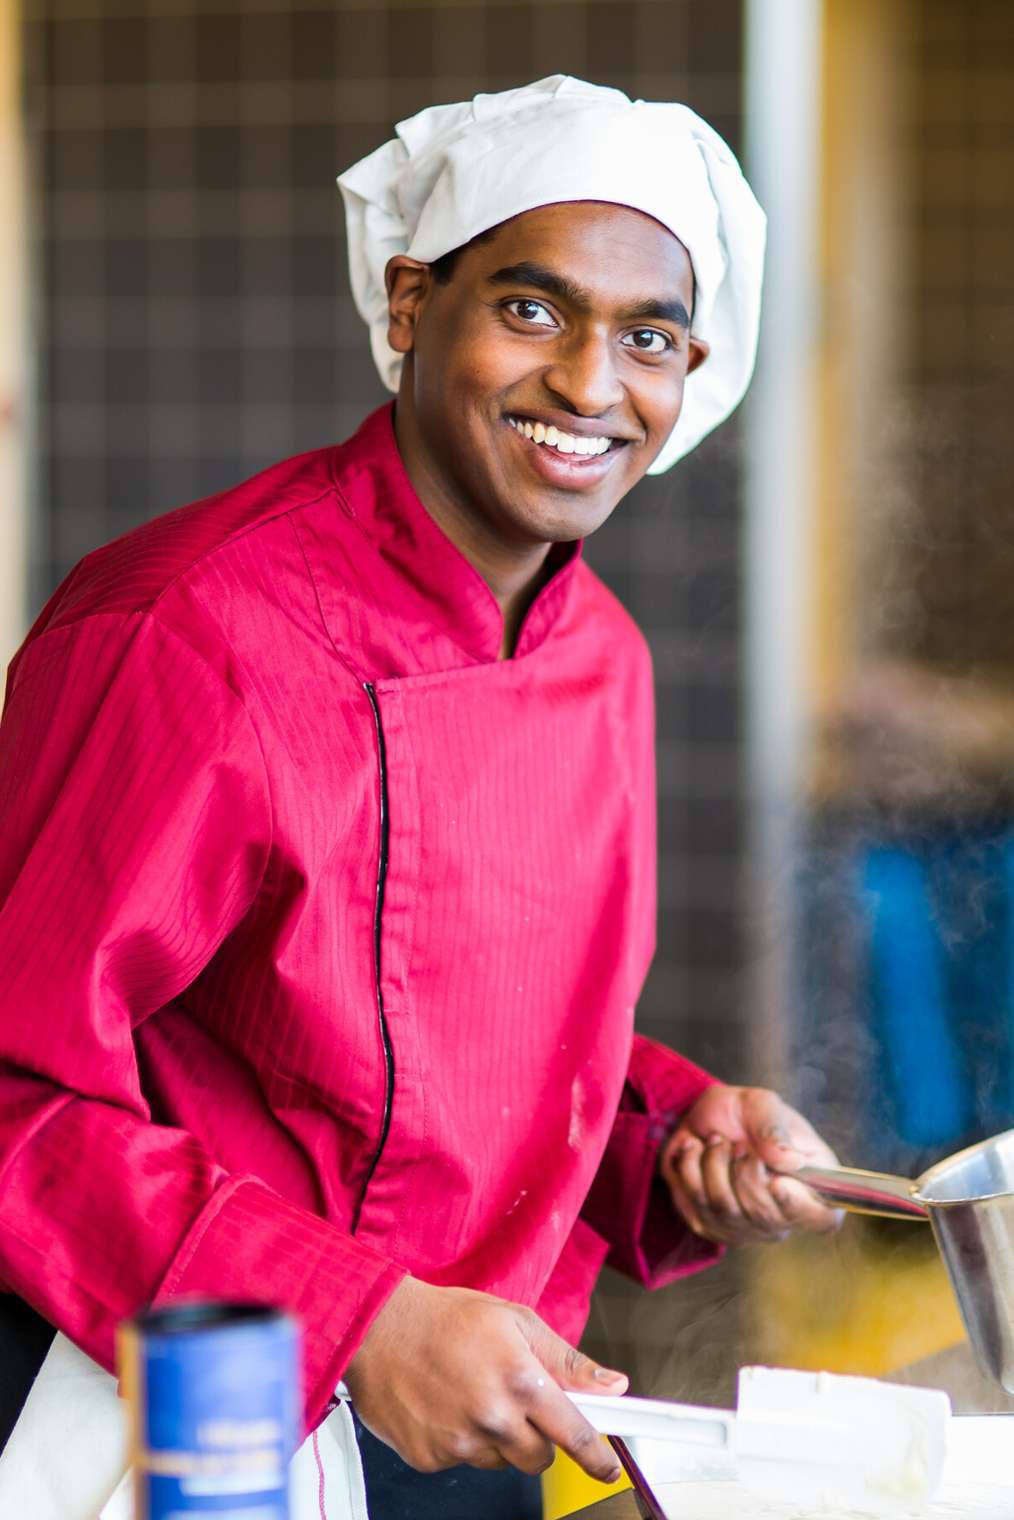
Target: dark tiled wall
point(195, 324)
point(949, 590)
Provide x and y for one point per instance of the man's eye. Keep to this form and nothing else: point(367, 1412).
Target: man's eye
point(648, 340)
point(531, 311)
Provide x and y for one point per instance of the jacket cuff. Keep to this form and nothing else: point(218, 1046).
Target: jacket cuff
point(629, 1203)
point(251, 1244)
point(651, 1243)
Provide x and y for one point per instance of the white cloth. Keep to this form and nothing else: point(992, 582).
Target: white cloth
point(455, 171)
point(67, 1456)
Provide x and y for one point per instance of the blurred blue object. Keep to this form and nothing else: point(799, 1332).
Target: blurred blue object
point(938, 919)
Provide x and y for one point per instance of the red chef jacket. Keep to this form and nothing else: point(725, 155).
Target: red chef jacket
point(323, 927)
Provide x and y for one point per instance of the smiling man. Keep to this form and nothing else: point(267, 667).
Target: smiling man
point(329, 848)
point(536, 394)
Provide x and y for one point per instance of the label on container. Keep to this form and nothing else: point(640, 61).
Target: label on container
point(214, 1401)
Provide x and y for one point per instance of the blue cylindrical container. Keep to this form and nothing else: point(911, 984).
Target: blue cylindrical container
point(214, 1396)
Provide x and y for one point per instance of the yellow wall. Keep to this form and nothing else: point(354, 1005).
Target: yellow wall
point(864, 1304)
point(862, 267)
point(565, 1488)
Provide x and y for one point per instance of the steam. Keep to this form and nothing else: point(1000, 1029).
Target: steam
point(684, 1342)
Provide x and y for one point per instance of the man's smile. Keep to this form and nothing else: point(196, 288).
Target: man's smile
point(570, 459)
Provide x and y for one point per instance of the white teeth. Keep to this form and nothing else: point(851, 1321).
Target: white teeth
point(564, 443)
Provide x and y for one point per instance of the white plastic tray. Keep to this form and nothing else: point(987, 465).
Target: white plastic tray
point(978, 1480)
point(731, 1501)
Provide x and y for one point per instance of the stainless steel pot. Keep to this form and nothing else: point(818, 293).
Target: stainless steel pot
point(969, 1201)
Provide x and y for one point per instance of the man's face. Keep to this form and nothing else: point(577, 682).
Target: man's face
point(572, 317)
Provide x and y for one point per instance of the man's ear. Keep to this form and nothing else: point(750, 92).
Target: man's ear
point(408, 282)
point(698, 352)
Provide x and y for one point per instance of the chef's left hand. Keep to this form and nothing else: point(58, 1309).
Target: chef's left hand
point(723, 1166)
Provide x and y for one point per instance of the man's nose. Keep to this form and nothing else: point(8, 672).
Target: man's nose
point(583, 375)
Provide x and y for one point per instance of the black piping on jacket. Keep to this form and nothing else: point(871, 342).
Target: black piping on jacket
point(385, 1033)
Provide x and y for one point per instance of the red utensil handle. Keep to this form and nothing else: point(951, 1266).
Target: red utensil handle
point(647, 1504)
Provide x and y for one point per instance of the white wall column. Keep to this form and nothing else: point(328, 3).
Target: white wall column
point(783, 135)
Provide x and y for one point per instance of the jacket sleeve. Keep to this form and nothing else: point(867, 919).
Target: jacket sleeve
point(136, 830)
point(628, 1204)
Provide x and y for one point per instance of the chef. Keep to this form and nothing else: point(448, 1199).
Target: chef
point(328, 861)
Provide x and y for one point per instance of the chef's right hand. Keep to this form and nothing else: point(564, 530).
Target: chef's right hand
point(446, 1375)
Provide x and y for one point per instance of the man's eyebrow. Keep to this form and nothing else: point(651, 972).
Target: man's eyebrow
point(539, 277)
point(660, 310)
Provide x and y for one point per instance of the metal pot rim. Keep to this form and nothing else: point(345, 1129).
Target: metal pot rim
point(950, 1164)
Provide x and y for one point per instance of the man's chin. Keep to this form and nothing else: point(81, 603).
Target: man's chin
point(554, 517)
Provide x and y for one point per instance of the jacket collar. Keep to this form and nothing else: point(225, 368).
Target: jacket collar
point(431, 582)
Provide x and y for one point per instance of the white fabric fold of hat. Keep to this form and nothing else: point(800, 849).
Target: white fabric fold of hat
point(454, 171)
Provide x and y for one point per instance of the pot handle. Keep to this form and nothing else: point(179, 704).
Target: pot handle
point(847, 1187)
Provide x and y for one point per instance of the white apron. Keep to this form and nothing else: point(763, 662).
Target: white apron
point(66, 1458)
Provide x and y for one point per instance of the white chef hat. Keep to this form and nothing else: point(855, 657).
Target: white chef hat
point(455, 171)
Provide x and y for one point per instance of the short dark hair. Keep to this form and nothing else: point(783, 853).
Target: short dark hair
point(443, 268)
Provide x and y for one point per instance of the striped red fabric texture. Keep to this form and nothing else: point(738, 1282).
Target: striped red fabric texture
point(204, 1087)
